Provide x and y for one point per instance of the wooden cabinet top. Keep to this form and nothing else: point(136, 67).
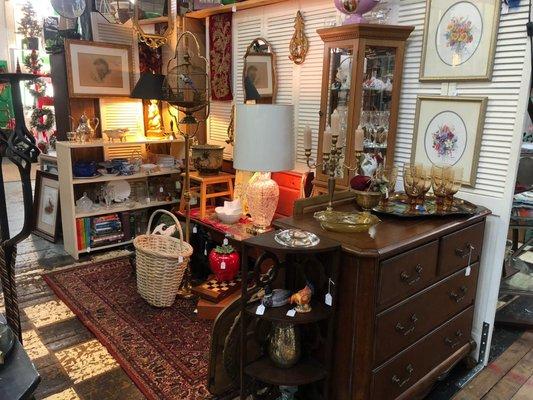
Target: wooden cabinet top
point(367, 31)
point(392, 235)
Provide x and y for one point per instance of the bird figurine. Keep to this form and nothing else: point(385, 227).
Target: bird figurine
point(302, 299)
point(186, 81)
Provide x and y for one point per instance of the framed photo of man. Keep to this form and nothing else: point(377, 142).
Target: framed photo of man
point(98, 69)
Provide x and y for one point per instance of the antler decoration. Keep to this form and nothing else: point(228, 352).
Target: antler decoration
point(299, 43)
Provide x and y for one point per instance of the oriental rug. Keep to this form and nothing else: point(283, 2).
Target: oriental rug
point(164, 351)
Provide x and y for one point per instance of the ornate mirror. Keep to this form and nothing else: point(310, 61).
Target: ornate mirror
point(157, 12)
point(259, 73)
point(71, 9)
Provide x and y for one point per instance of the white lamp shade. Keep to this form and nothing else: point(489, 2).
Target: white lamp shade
point(264, 138)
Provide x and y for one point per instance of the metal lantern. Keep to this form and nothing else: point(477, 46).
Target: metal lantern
point(186, 85)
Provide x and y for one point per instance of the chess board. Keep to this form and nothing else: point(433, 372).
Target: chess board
point(216, 291)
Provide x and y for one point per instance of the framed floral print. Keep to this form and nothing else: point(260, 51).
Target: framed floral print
point(448, 131)
point(459, 40)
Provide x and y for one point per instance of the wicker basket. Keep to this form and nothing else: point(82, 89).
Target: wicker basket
point(161, 263)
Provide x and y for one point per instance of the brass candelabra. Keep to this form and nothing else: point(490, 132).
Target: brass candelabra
point(331, 163)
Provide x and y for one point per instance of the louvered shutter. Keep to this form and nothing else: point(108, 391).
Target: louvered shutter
point(503, 93)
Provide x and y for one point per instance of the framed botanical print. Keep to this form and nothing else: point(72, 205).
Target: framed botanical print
point(46, 210)
point(459, 40)
point(448, 131)
point(98, 69)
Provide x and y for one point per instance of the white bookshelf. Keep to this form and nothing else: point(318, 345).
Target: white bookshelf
point(66, 154)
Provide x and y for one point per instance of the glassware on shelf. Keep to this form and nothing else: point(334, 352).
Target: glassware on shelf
point(72, 137)
point(84, 203)
point(440, 178)
point(417, 182)
point(109, 195)
point(453, 186)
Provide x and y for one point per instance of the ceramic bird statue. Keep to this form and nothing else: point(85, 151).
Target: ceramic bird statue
point(302, 299)
point(187, 82)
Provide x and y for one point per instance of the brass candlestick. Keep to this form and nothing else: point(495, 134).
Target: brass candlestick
point(330, 165)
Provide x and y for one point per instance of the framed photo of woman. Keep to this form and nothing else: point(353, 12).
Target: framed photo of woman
point(459, 40)
point(46, 209)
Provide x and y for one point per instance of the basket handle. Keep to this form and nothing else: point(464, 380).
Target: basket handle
point(176, 221)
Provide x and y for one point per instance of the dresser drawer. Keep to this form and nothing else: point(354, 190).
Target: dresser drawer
point(408, 273)
point(403, 371)
point(402, 325)
point(454, 249)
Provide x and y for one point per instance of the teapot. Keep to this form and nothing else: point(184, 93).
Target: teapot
point(84, 131)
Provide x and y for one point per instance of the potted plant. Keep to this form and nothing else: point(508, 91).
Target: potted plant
point(224, 261)
point(369, 191)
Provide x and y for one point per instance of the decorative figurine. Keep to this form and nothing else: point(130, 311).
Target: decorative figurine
point(284, 347)
point(302, 299)
point(354, 9)
point(369, 164)
point(224, 262)
point(275, 298)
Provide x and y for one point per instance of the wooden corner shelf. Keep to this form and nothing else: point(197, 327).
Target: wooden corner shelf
point(243, 5)
point(318, 313)
point(303, 373)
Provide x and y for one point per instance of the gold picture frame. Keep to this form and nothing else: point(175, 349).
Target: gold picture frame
point(469, 51)
point(261, 53)
point(96, 69)
point(461, 117)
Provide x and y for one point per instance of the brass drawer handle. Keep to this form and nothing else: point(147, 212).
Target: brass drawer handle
point(459, 297)
point(465, 252)
point(453, 344)
point(401, 329)
point(400, 383)
point(405, 277)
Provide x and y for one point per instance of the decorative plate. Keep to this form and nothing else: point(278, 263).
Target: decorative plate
point(346, 222)
point(96, 175)
point(121, 189)
point(399, 207)
point(296, 238)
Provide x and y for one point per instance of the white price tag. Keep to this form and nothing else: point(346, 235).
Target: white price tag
point(194, 229)
point(468, 270)
point(180, 259)
point(223, 265)
point(291, 313)
point(225, 242)
point(260, 310)
point(234, 8)
point(148, 200)
point(88, 249)
point(329, 299)
point(205, 252)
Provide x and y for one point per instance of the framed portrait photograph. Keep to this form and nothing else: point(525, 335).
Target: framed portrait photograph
point(448, 131)
point(98, 69)
point(459, 40)
point(46, 209)
point(259, 75)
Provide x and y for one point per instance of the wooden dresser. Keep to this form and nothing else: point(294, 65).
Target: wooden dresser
point(405, 303)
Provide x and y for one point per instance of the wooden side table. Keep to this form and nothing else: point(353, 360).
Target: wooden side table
point(205, 182)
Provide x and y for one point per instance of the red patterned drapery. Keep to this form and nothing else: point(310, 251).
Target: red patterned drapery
point(220, 36)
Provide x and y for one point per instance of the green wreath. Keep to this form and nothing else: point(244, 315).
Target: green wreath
point(48, 119)
point(37, 88)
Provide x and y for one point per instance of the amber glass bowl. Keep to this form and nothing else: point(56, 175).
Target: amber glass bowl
point(367, 200)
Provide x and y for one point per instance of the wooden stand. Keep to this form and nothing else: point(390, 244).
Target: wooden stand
point(205, 182)
point(316, 265)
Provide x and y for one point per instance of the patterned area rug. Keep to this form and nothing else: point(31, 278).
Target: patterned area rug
point(164, 351)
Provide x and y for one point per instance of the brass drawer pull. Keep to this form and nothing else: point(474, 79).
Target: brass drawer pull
point(454, 344)
point(401, 329)
point(459, 297)
point(465, 252)
point(405, 277)
point(400, 383)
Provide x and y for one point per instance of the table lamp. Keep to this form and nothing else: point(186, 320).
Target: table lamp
point(264, 143)
point(150, 87)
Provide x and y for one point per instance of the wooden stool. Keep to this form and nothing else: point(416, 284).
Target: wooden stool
point(205, 182)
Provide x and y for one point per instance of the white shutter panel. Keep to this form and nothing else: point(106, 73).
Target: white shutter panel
point(503, 93)
point(310, 76)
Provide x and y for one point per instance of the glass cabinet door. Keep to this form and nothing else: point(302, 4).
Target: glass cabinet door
point(338, 100)
point(371, 137)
